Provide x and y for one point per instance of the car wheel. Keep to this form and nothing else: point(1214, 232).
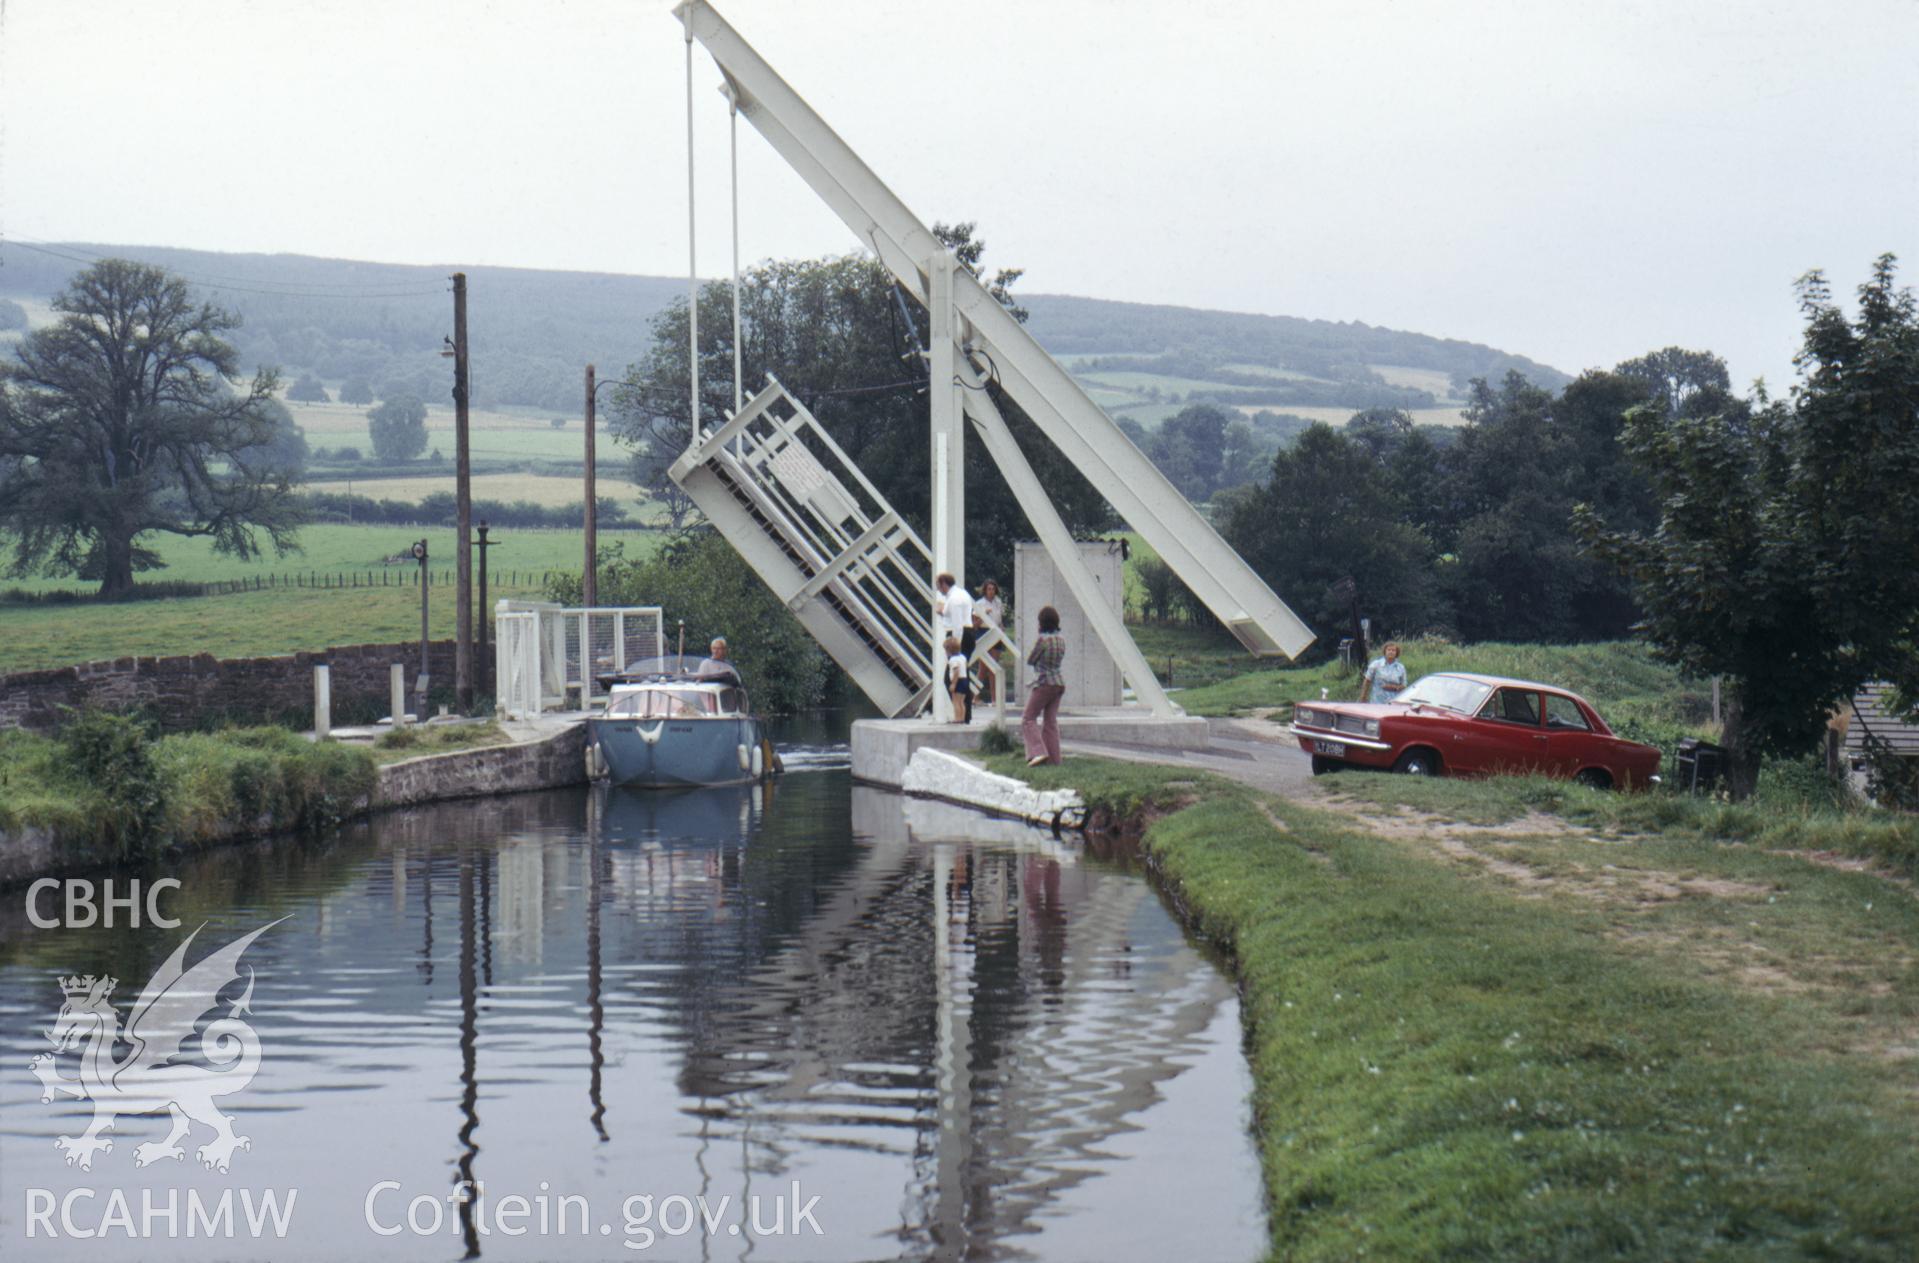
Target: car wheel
point(1323, 765)
point(1418, 763)
point(1594, 778)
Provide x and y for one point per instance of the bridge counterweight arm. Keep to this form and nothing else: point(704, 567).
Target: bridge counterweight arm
point(1045, 391)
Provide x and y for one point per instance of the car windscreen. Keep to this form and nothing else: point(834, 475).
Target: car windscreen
point(1450, 691)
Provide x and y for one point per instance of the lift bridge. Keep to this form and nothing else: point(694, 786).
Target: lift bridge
point(823, 538)
point(818, 532)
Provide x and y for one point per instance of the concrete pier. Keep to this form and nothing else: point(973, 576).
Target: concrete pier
point(882, 748)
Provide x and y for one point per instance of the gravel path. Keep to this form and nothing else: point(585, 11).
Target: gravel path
point(1254, 752)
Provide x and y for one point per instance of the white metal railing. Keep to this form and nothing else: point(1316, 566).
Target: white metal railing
point(548, 655)
point(821, 535)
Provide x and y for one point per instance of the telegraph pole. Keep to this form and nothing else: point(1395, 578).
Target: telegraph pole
point(463, 492)
point(483, 668)
point(589, 578)
point(419, 554)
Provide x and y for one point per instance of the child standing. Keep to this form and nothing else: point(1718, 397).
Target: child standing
point(958, 684)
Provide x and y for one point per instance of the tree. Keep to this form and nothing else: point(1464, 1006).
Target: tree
point(12, 316)
point(1521, 573)
point(836, 334)
point(398, 428)
point(284, 453)
point(1785, 551)
point(1675, 375)
point(1380, 429)
point(1328, 513)
point(307, 389)
point(356, 390)
point(126, 418)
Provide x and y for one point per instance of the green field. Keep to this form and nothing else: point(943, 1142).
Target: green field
point(283, 619)
point(1142, 395)
point(1337, 417)
point(510, 435)
point(547, 490)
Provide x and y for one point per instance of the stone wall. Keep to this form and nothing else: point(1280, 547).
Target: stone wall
point(191, 691)
point(549, 763)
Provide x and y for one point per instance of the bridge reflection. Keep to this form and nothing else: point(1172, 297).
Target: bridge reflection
point(970, 1038)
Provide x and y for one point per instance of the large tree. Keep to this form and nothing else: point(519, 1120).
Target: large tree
point(127, 418)
point(1785, 551)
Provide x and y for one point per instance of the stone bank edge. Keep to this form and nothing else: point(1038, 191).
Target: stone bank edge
point(951, 778)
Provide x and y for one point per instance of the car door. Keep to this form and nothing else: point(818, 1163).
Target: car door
point(1571, 743)
point(1506, 736)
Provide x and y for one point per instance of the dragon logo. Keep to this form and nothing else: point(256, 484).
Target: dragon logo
point(147, 1079)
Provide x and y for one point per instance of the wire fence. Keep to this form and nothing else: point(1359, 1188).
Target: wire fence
point(505, 580)
point(396, 577)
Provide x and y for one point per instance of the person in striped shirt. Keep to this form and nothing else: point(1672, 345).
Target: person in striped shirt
point(1039, 723)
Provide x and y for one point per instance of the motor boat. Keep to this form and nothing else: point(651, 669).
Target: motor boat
point(676, 721)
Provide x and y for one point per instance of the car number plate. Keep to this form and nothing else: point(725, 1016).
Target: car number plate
point(1337, 749)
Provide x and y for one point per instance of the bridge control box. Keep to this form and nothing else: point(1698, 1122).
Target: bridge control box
point(1092, 677)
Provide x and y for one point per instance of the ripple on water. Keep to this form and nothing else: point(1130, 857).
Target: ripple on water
point(991, 1045)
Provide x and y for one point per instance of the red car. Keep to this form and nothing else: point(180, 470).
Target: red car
point(1475, 725)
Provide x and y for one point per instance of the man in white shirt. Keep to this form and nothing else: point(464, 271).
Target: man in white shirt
point(953, 613)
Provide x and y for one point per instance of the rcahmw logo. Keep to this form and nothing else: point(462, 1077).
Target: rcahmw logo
point(146, 1080)
point(160, 1214)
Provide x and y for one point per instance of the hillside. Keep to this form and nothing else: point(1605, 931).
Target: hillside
point(1145, 360)
point(532, 331)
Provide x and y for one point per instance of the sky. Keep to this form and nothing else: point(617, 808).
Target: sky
point(1572, 181)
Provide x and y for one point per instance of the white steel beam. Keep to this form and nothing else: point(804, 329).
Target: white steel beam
point(949, 422)
point(1063, 412)
point(1060, 545)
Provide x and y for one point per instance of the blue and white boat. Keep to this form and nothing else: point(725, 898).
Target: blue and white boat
point(677, 721)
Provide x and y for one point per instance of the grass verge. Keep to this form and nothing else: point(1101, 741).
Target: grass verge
point(1443, 1068)
point(412, 742)
point(110, 794)
point(1788, 812)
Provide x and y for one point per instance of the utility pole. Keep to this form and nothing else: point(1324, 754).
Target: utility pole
point(463, 492)
point(419, 553)
point(589, 577)
point(483, 669)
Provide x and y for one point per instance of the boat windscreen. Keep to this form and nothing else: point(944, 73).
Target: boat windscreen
point(677, 667)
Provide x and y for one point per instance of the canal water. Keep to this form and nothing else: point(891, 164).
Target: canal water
point(811, 1021)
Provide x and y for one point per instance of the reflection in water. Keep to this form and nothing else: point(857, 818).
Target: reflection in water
point(967, 1038)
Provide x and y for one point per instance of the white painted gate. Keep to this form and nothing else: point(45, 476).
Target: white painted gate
point(548, 656)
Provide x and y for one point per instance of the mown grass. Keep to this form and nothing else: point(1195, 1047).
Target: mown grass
point(334, 548)
point(184, 790)
point(283, 620)
point(411, 742)
point(249, 624)
point(1444, 1070)
point(1794, 809)
point(549, 490)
